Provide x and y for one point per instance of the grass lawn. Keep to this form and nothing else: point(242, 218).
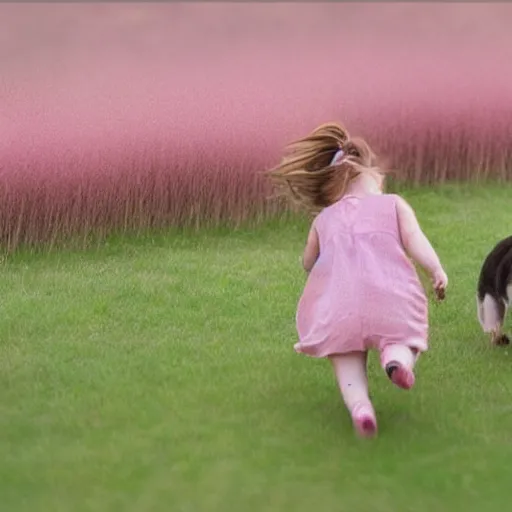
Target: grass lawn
point(158, 374)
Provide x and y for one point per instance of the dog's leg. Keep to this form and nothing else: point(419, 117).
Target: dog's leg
point(506, 306)
point(491, 314)
point(500, 338)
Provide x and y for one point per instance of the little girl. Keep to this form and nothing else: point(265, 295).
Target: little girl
point(362, 290)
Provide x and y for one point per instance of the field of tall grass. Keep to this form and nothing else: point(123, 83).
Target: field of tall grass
point(123, 117)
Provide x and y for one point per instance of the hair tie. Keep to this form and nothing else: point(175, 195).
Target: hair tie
point(337, 157)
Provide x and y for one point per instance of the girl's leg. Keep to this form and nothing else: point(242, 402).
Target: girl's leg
point(398, 361)
point(350, 370)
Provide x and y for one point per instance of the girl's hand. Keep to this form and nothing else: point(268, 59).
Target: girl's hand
point(440, 283)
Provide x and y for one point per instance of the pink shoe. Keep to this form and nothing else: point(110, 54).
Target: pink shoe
point(400, 376)
point(363, 418)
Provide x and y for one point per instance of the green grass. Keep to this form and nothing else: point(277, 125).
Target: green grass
point(159, 375)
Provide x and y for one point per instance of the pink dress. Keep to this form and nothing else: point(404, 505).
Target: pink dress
point(363, 291)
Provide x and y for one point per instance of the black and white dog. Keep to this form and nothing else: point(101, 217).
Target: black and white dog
point(494, 293)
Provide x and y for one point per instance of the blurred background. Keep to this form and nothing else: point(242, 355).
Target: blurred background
point(128, 116)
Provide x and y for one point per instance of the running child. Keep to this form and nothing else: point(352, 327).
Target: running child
point(362, 292)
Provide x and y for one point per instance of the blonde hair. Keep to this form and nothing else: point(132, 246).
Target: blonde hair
point(309, 176)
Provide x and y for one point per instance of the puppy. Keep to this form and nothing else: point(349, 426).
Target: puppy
point(494, 293)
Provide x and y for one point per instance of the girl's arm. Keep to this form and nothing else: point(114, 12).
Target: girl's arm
point(311, 251)
point(417, 245)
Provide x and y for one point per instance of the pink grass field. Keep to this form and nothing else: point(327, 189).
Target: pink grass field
point(127, 116)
